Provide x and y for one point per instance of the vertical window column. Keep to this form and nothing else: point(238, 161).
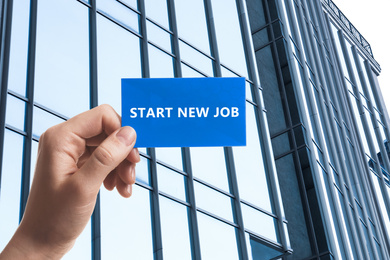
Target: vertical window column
point(361, 114)
point(185, 151)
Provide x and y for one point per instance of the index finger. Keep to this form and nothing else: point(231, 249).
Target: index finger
point(95, 121)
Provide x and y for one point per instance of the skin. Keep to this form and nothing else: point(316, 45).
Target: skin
point(74, 159)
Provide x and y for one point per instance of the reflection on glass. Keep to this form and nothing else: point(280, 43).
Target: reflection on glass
point(10, 186)
point(195, 58)
point(158, 36)
point(209, 165)
point(126, 225)
point(258, 222)
point(174, 229)
point(161, 64)
point(157, 11)
point(119, 12)
point(62, 60)
point(171, 156)
point(191, 23)
point(15, 112)
point(217, 239)
point(251, 175)
point(171, 182)
point(42, 120)
point(118, 54)
point(229, 41)
point(18, 50)
point(259, 250)
point(207, 199)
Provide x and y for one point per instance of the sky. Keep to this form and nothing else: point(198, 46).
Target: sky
point(372, 19)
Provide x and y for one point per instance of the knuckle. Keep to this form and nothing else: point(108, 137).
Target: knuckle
point(103, 156)
point(107, 108)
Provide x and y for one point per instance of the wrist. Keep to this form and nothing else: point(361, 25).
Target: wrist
point(22, 246)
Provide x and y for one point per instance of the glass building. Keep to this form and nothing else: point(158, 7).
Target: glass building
point(313, 180)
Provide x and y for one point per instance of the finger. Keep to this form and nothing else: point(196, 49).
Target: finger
point(110, 181)
point(107, 156)
point(126, 172)
point(124, 189)
point(93, 122)
point(134, 156)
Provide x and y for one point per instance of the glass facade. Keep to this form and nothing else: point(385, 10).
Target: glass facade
point(313, 180)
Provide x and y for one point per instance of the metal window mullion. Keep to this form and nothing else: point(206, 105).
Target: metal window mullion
point(154, 198)
point(5, 38)
point(361, 186)
point(374, 121)
point(320, 191)
point(186, 157)
point(369, 186)
point(344, 172)
point(229, 159)
point(93, 102)
point(378, 100)
point(299, 174)
point(365, 123)
point(333, 135)
point(262, 124)
point(28, 123)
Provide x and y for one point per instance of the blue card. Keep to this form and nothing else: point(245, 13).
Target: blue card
point(185, 112)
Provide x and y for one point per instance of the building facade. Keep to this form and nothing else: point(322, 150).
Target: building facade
point(313, 180)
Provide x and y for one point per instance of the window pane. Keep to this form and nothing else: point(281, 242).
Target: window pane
point(10, 186)
point(161, 64)
point(259, 250)
point(34, 153)
point(62, 60)
point(195, 58)
point(42, 120)
point(15, 112)
point(142, 171)
point(119, 12)
point(82, 247)
point(171, 156)
point(118, 57)
point(251, 176)
point(18, 50)
point(132, 3)
point(188, 72)
point(217, 239)
point(229, 41)
point(207, 199)
point(209, 165)
point(191, 23)
point(158, 36)
point(259, 222)
point(126, 225)
point(175, 233)
point(171, 182)
point(157, 11)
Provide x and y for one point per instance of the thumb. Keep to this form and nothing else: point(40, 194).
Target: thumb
point(107, 156)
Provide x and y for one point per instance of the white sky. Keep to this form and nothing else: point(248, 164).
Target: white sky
point(372, 19)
